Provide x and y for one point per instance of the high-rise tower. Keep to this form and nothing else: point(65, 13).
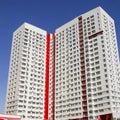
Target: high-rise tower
point(30, 74)
point(70, 75)
point(87, 85)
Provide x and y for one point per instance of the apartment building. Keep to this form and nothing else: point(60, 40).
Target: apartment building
point(87, 83)
point(70, 75)
point(30, 74)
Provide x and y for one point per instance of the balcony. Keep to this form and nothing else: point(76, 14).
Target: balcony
point(85, 114)
point(83, 82)
point(83, 87)
point(85, 108)
point(84, 98)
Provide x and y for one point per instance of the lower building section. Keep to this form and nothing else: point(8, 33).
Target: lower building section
point(106, 117)
point(101, 117)
point(9, 117)
point(76, 119)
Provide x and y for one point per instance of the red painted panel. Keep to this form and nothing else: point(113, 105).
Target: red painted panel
point(1, 118)
point(95, 34)
point(53, 80)
point(105, 116)
point(99, 118)
point(46, 99)
point(13, 119)
point(7, 118)
point(53, 36)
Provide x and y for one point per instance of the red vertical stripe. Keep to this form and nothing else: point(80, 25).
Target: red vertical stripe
point(2, 118)
point(46, 99)
point(53, 82)
point(83, 73)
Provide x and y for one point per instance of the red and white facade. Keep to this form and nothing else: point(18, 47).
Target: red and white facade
point(9, 117)
point(30, 91)
point(70, 75)
point(49, 81)
point(87, 82)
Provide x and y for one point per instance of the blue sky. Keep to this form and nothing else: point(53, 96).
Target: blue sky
point(46, 14)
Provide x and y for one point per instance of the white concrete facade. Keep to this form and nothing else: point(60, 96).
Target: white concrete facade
point(25, 94)
point(87, 83)
point(73, 74)
point(9, 117)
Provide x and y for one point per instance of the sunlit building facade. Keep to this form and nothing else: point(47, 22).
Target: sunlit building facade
point(30, 81)
point(70, 75)
point(87, 84)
